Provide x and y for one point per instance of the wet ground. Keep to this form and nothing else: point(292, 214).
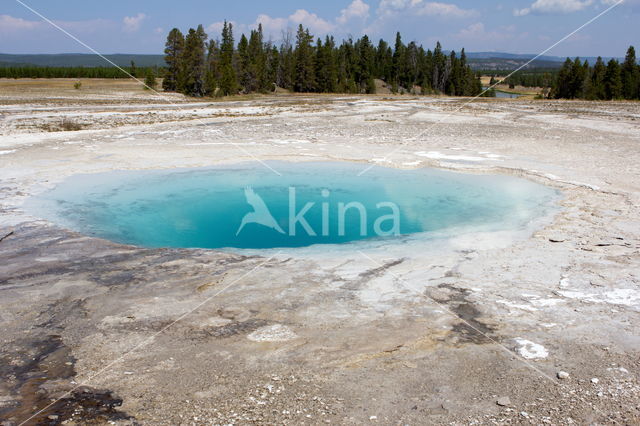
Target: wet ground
point(95, 332)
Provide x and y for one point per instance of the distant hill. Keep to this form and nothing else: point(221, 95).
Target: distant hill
point(477, 60)
point(79, 60)
point(510, 64)
point(509, 61)
point(504, 55)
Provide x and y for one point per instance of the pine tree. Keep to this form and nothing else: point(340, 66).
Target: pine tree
point(440, 70)
point(562, 87)
point(379, 63)
point(597, 88)
point(342, 71)
point(364, 66)
point(286, 68)
point(468, 79)
point(173, 56)
point(257, 61)
point(150, 80)
point(577, 79)
point(398, 60)
point(193, 58)
point(586, 81)
point(346, 67)
point(198, 67)
point(273, 66)
point(454, 85)
point(613, 80)
point(243, 65)
point(212, 73)
point(304, 80)
point(228, 79)
point(410, 66)
point(322, 68)
point(427, 73)
point(630, 75)
point(331, 70)
point(476, 87)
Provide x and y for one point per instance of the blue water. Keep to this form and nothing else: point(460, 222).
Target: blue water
point(507, 95)
point(205, 207)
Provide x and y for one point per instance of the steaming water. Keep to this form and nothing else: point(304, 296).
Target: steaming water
point(205, 207)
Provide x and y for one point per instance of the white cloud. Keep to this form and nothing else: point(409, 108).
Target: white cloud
point(633, 4)
point(133, 23)
point(275, 26)
point(390, 7)
point(10, 24)
point(477, 32)
point(521, 12)
point(443, 9)
point(271, 25)
point(423, 8)
point(478, 37)
point(554, 7)
point(311, 21)
point(472, 31)
point(215, 30)
point(356, 10)
point(394, 14)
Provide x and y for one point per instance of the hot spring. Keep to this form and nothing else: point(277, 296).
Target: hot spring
point(248, 206)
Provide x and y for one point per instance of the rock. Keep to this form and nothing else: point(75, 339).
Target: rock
point(530, 350)
point(563, 375)
point(503, 401)
point(595, 381)
point(557, 238)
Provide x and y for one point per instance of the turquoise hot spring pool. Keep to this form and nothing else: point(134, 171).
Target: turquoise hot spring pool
point(248, 206)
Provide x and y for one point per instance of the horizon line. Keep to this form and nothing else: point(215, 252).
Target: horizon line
point(444, 50)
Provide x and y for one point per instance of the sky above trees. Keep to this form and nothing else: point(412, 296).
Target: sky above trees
point(518, 26)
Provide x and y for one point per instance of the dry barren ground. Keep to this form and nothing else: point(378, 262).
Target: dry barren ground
point(474, 333)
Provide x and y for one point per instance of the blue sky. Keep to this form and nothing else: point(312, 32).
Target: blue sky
point(140, 26)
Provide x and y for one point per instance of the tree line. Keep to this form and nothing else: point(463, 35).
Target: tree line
point(533, 78)
point(32, 71)
point(613, 80)
point(199, 66)
point(577, 79)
